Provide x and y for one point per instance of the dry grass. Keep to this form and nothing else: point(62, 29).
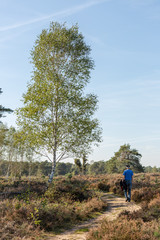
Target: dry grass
point(64, 204)
point(155, 202)
point(122, 229)
point(69, 201)
point(140, 225)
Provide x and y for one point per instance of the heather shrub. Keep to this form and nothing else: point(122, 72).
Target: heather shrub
point(103, 187)
point(155, 202)
point(75, 190)
point(66, 202)
point(48, 216)
point(11, 231)
point(70, 200)
point(15, 220)
point(122, 229)
point(143, 194)
point(85, 210)
point(113, 189)
point(149, 211)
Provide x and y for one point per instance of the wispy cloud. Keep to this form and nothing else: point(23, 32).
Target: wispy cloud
point(141, 3)
point(63, 13)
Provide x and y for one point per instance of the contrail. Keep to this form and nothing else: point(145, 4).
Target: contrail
point(63, 13)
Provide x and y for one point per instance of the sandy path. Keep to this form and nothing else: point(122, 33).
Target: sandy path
point(115, 206)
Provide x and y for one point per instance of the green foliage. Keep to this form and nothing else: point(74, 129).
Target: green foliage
point(97, 168)
point(63, 168)
point(78, 163)
point(69, 176)
point(57, 118)
point(35, 216)
point(3, 130)
point(150, 169)
point(25, 196)
point(124, 156)
point(3, 109)
point(84, 164)
point(81, 166)
point(157, 233)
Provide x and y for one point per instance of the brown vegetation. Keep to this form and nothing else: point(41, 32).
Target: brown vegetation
point(71, 200)
point(66, 202)
point(140, 225)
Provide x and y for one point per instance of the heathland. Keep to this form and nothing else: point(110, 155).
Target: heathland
point(30, 209)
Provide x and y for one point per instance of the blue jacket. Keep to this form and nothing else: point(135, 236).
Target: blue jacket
point(128, 174)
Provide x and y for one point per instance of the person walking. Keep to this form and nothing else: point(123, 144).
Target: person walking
point(128, 178)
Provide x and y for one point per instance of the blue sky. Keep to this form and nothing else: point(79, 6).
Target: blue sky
point(125, 40)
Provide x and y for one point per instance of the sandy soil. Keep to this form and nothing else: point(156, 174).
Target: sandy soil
point(115, 206)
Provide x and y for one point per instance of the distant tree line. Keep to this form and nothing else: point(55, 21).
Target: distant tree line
point(18, 160)
point(41, 169)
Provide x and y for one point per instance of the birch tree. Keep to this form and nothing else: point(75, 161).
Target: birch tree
point(57, 117)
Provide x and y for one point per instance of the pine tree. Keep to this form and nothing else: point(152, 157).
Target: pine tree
point(3, 109)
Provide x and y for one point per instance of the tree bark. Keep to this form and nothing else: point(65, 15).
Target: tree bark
point(53, 168)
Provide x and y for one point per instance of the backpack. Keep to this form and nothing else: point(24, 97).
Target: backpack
point(123, 185)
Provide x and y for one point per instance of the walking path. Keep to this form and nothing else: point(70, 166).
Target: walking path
point(115, 206)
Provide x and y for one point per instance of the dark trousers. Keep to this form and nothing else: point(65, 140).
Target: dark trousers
point(127, 190)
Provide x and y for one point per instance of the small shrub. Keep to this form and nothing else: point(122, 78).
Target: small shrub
point(155, 202)
point(103, 187)
point(143, 194)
